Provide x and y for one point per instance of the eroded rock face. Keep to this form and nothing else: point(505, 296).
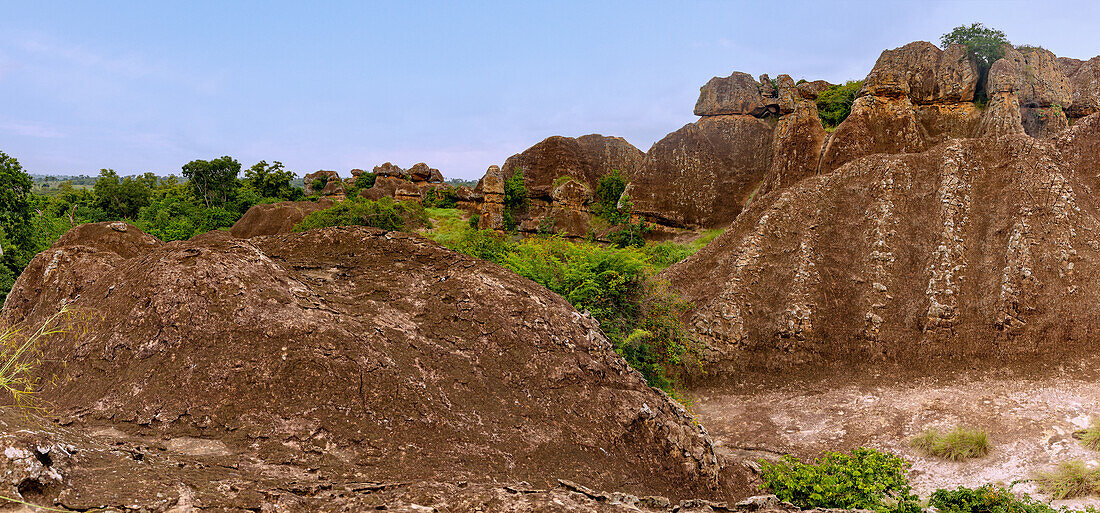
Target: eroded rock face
point(556, 160)
point(276, 218)
point(368, 355)
point(702, 174)
point(797, 142)
point(1084, 83)
point(735, 94)
point(915, 96)
point(976, 247)
point(491, 188)
point(333, 185)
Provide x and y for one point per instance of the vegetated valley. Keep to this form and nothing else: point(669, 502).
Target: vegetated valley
point(877, 295)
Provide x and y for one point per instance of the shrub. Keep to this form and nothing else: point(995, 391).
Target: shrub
point(835, 103)
point(475, 220)
point(609, 190)
point(863, 479)
point(515, 199)
point(19, 358)
point(638, 314)
point(441, 198)
point(956, 445)
point(319, 183)
point(448, 225)
point(384, 213)
point(985, 499)
point(984, 43)
point(1068, 480)
point(1090, 437)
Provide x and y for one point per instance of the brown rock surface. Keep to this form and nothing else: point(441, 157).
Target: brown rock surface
point(1034, 76)
point(367, 355)
point(702, 174)
point(735, 94)
point(333, 185)
point(275, 218)
point(810, 90)
point(1085, 86)
point(389, 169)
point(796, 147)
point(978, 247)
point(877, 124)
point(384, 186)
point(491, 188)
point(585, 158)
point(1002, 116)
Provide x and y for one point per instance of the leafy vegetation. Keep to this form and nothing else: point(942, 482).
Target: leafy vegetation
point(609, 189)
point(983, 42)
point(862, 479)
point(835, 103)
point(385, 213)
point(663, 254)
point(616, 285)
point(165, 207)
point(441, 198)
point(1090, 436)
point(956, 445)
point(515, 199)
point(985, 499)
point(1069, 479)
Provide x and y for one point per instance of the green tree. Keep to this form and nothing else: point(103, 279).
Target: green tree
point(16, 234)
point(122, 198)
point(515, 198)
point(270, 180)
point(213, 181)
point(835, 103)
point(983, 42)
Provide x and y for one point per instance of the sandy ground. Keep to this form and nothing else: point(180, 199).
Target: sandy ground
point(1029, 410)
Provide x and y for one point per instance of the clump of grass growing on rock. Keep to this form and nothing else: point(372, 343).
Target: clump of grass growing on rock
point(1090, 437)
point(19, 358)
point(1069, 479)
point(956, 445)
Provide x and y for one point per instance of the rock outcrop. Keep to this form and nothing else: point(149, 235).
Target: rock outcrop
point(738, 93)
point(975, 247)
point(404, 185)
point(557, 160)
point(361, 355)
point(333, 185)
point(491, 190)
point(1084, 83)
point(276, 218)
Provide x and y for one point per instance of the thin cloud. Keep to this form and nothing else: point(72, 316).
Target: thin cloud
point(31, 130)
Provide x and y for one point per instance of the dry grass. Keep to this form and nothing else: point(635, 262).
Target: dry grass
point(1090, 437)
point(19, 358)
point(955, 445)
point(1068, 480)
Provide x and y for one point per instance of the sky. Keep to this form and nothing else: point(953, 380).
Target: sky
point(150, 86)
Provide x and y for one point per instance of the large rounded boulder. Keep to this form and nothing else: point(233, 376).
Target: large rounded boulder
point(362, 354)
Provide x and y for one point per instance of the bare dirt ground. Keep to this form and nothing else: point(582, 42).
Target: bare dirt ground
point(1030, 411)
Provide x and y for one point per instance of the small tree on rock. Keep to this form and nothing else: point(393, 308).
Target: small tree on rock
point(985, 43)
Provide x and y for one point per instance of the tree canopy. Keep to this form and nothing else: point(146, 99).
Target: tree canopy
point(214, 181)
point(985, 43)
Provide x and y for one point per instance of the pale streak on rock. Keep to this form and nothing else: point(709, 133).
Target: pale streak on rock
point(948, 261)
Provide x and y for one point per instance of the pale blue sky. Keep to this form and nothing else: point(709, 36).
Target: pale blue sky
point(149, 86)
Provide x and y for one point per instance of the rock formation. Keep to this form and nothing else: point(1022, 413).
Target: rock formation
point(975, 247)
point(276, 218)
point(404, 185)
point(333, 185)
point(491, 190)
point(362, 355)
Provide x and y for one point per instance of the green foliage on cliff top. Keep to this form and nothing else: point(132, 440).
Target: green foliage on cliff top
point(983, 42)
point(835, 103)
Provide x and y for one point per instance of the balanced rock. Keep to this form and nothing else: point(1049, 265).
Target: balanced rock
point(331, 179)
point(735, 94)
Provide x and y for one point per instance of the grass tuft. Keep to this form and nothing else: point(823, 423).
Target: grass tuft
point(1069, 479)
point(19, 358)
point(955, 445)
point(1090, 437)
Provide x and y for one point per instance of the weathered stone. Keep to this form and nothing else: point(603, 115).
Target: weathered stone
point(735, 94)
point(796, 147)
point(943, 121)
point(1002, 115)
point(492, 207)
point(333, 185)
point(384, 186)
point(877, 124)
point(811, 90)
point(788, 94)
point(389, 169)
point(1085, 86)
point(767, 88)
point(702, 174)
point(276, 218)
point(1034, 76)
point(420, 172)
point(967, 249)
point(1043, 122)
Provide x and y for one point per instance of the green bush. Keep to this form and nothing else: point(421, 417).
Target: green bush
point(984, 43)
point(985, 499)
point(956, 445)
point(835, 103)
point(515, 199)
point(319, 183)
point(863, 479)
point(608, 191)
point(441, 198)
point(384, 213)
point(636, 312)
